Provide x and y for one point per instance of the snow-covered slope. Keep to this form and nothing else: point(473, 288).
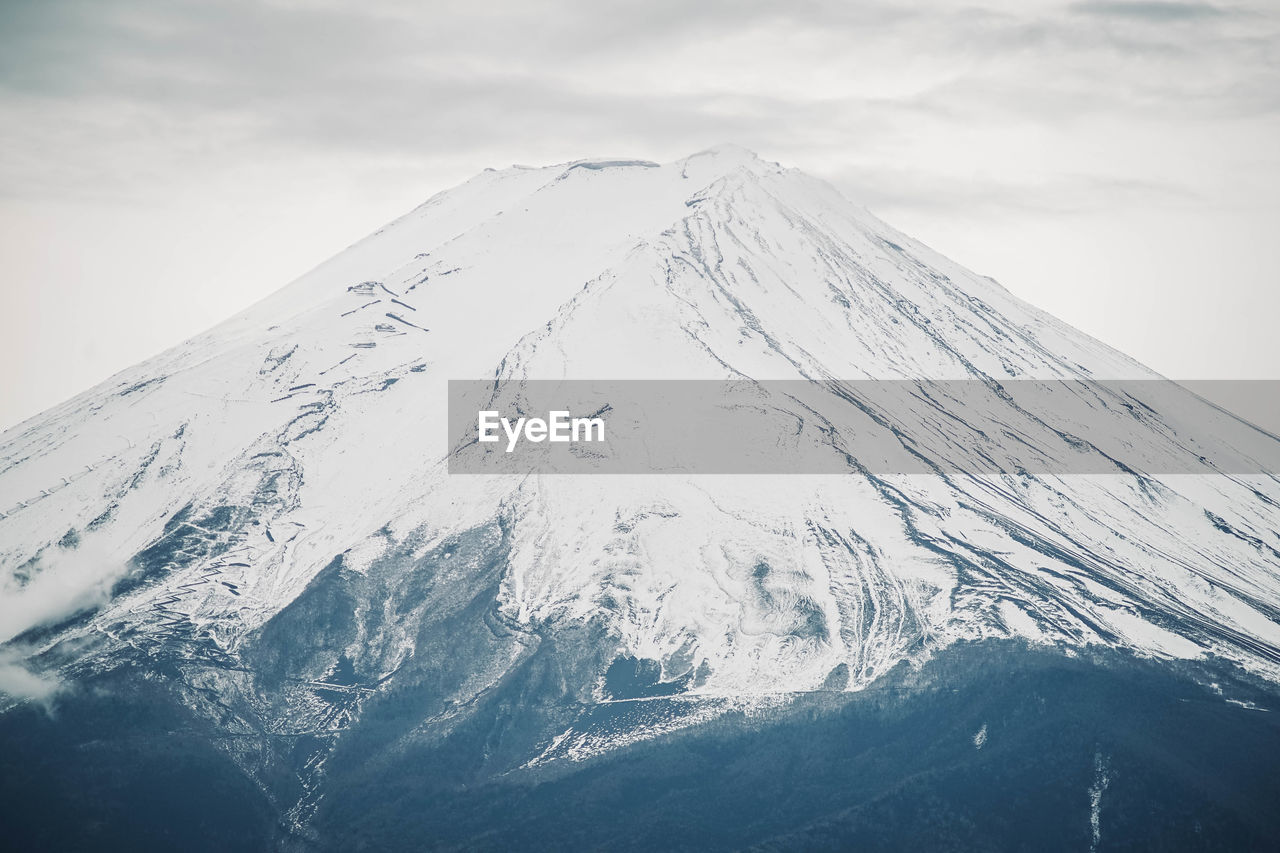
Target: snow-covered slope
point(219, 484)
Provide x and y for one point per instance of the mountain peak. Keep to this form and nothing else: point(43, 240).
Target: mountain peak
point(285, 474)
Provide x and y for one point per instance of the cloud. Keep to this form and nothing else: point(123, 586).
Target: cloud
point(289, 117)
point(890, 192)
point(67, 582)
point(122, 101)
point(1158, 12)
point(20, 683)
point(123, 92)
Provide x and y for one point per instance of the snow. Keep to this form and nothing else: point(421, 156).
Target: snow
point(326, 414)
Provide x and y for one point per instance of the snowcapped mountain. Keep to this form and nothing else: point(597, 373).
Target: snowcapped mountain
point(262, 518)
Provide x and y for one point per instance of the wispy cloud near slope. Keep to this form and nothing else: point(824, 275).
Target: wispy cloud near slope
point(64, 584)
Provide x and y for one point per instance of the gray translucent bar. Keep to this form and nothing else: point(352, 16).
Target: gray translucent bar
point(1016, 427)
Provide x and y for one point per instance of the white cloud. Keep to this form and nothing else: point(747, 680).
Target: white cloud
point(162, 164)
point(20, 683)
point(67, 582)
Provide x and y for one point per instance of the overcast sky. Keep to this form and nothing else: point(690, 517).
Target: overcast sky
point(163, 164)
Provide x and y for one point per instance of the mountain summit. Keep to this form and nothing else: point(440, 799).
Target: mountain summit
point(260, 523)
